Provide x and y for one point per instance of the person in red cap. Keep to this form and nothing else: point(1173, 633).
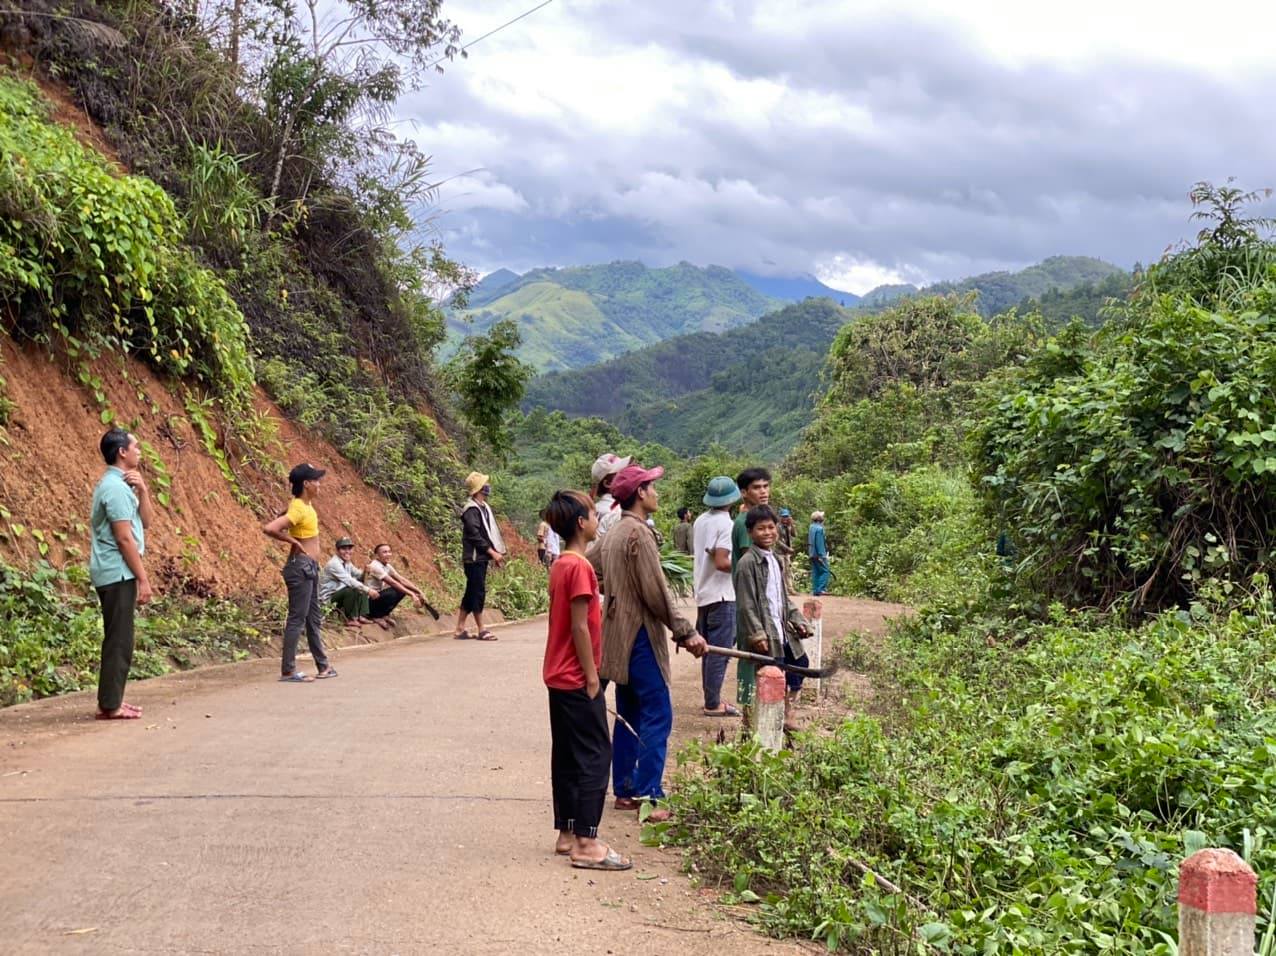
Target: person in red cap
point(638, 612)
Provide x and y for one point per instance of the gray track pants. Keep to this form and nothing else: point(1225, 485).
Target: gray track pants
point(301, 575)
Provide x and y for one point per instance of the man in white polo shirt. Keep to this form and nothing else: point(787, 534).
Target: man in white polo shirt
point(715, 592)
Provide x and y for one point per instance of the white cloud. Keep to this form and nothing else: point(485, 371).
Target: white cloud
point(861, 141)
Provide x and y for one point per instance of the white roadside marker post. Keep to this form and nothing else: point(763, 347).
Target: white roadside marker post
point(768, 713)
point(813, 611)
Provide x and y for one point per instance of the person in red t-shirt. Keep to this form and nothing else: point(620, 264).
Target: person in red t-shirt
point(580, 759)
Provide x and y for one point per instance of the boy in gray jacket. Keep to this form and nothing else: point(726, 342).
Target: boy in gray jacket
point(766, 620)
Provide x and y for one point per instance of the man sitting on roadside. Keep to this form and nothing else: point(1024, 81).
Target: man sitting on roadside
point(393, 588)
point(339, 582)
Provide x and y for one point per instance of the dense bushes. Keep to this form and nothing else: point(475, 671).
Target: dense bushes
point(97, 255)
point(51, 633)
point(1139, 462)
point(1030, 794)
point(913, 537)
point(885, 457)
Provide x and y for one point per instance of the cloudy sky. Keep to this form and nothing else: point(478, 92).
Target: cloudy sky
point(863, 142)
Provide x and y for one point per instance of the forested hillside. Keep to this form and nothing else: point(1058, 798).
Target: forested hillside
point(999, 291)
point(750, 389)
point(1085, 696)
point(247, 248)
point(577, 316)
point(747, 388)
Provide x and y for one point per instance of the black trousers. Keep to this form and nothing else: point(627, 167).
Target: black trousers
point(475, 597)
point(384, 605)
point(119, 601)
point(580, 759)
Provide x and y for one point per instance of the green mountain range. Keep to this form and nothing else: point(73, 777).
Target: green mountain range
point(999, 291)
point(750, 388)
point(577, 316)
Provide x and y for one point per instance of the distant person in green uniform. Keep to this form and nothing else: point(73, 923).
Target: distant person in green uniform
point(755, 489)
point(120, 514)
point(682, 531)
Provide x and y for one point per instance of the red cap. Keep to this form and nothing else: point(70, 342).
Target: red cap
point(631, 479)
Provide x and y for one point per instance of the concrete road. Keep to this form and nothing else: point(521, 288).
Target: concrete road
point(400, 808)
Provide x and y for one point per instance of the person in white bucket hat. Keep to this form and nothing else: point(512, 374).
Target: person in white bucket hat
point(606, 467)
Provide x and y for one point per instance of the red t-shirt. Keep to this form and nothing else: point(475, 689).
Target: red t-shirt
point(571, 577)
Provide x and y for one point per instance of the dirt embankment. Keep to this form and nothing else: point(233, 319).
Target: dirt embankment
point(205, 539)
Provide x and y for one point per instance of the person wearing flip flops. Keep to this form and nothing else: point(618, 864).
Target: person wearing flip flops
point(481, 545)
point(580, 754)
point(638, 612)
point(715, 592)
point(298, 527)
point(120, 514)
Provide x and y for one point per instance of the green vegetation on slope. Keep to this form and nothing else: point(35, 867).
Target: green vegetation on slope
point(342, 326)
point(578, 316)
point(750, 389)
point(999, 291)
point(1034, 772)
point(96, 259)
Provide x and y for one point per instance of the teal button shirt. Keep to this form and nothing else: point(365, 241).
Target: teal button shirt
point(113, 500)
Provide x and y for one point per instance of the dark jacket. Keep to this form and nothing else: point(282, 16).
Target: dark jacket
point(475, 543)
point(752, 614)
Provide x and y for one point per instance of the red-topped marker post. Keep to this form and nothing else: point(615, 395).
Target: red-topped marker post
point(768, 713)
point(1217, 902)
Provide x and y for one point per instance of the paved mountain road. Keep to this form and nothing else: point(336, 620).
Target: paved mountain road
point(401, 808)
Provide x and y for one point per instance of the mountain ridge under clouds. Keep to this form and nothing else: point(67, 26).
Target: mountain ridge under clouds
point(575, 316)
point(750, 387)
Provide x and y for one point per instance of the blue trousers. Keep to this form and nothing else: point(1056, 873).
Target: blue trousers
point(819, 576)
point(638, 763)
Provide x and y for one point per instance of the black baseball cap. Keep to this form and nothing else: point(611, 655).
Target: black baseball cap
point(305, 472)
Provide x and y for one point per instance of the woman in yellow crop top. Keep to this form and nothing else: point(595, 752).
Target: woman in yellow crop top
point(298, 527)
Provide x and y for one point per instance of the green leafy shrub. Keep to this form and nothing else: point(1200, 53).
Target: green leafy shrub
point(1031, 794)
point(51, 633)
point(1152, 465)
point(519, 589)
point(93, 254)
point(911, 537)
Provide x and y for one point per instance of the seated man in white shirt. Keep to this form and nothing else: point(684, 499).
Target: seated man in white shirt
point(393, 587)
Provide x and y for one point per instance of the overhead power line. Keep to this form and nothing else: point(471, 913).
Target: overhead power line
point(508, 23)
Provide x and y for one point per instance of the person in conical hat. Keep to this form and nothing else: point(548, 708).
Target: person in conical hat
point(481, 545)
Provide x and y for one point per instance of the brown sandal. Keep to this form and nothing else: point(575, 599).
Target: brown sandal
point(485, 635)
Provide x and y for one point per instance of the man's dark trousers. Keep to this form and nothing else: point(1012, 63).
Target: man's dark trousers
point(119, 602)
point(716, 622)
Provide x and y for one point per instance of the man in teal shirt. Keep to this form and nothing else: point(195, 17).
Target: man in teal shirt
point(755, 489)
point(120, 513)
